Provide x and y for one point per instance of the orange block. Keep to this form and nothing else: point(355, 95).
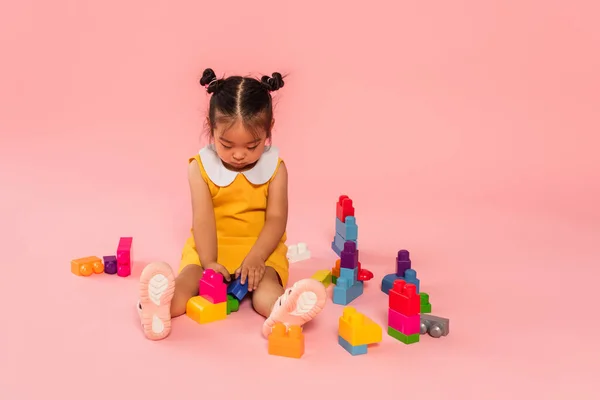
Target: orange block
point(335, 271)
point(87, 266)
point(286, 343)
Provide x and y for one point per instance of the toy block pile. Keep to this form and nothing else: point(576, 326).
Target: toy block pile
point(119, 264)
point(356, 332)
point(403, 271)
point(298, 252)
point(404, 314)
point(347, 287)
point(345, 225)
point(286, 341)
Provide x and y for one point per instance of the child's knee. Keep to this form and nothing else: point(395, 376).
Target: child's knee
point(186, 286)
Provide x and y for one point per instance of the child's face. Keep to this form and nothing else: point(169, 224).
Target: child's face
point(237, 147)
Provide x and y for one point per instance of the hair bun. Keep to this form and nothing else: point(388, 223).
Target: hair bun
point(209, 79)
point(274, 82)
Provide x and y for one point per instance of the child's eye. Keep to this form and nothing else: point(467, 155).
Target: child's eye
point(225, 147)
point(252, 148)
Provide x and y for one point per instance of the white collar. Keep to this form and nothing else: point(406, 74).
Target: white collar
point(261, 173)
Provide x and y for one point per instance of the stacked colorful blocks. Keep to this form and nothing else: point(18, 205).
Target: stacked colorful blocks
point(404, 314)
point(211, 303)
point(403, 271)
point(345, 225)
point(348, 287)
point(120, 264)
point(356, 332)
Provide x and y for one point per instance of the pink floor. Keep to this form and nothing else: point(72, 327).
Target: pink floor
point(517, 288)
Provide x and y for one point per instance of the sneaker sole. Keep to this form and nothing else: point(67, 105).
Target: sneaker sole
point(157, 286)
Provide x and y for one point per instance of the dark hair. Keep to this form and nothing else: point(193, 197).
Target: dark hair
point(241, 97)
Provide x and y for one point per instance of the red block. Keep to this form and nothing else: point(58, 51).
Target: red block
point(344, 208)
point(404, 298)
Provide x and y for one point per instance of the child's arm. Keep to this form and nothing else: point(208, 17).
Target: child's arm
point(276, 218)
point(203, 214)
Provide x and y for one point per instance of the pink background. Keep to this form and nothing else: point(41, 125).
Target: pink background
point(465, 131)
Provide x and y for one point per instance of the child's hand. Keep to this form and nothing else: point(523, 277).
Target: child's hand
point(220, 269)
point(252, 269)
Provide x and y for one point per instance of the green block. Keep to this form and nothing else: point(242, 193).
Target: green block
point(425, 304)
point(333, 279)
point(232, 304)
point(406, 339)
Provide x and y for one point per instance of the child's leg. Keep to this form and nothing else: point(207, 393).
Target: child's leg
point(163, 297)
point(296, 306)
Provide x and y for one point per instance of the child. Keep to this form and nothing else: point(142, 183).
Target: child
point(238, 187)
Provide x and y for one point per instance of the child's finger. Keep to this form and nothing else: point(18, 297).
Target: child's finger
point(251, 280)
point(244, 276)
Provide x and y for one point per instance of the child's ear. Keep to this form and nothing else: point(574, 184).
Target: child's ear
point(272, 123)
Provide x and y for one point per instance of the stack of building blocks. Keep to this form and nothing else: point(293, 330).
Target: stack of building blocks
point(298, 252)
point(404, 271)
point(435, 326)
point(324, 276)
point(345, 225)
point(286, 341)
point(404, 314)
point(357, 331)
point(124, 256)
point(348, 287)
point(211, 303)
point(87, 266)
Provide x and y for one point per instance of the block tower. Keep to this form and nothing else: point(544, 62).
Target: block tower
point(403, 271)
point(347, 285)
point(212, 303)
point(356, 332)
point(345, 225)
point(404, 314)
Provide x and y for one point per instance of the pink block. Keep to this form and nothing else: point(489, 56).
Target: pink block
point(123, 270)
point(409, 325)
point(212, 287)
point(124, 251)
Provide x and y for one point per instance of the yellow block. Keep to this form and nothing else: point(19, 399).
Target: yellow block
point(87, 266)
point(358, 329)
point(203, 311)
point(323, 276)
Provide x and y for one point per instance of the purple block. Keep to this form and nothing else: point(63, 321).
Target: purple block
point(409, 325)
point(349, 256)
point(110, 264)
point(402, 262)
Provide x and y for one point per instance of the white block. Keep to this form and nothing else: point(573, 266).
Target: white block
point(298, 252)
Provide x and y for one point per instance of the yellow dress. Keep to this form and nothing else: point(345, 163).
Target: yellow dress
point(240, 204)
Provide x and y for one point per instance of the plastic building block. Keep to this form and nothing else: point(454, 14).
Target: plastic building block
point(238, 290)
point(347, 230)
point(364, 275)
point(336, 249)
point(435, 326)
point(324, 276)
point(344, 208)
point(203, 311)
point(353, 350)
point(404, 298)
point(410, 276)
point(110, 265)
point(339, 242)
point(212, 287)
point(358, 329)
point(350, 274)
point(298, 252)
point(349, 255)
point(406, 339)
point(344, 293)
point(388, 282)
point(286, 342)
point(425, 304)
point(87, 266)
point(124, 256)
point(408, 325)
point(402, 262)
point(233, 304)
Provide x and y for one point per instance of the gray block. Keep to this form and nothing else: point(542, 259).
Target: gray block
point(435, 326)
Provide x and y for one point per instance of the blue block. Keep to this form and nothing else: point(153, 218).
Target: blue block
point(350, 274)
point(410, 276)
point(347, 230)
point(344, 293)
point(339, 241)
point(354, 350)
point(388, 282)
point(336, 249)
point(237, 290)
